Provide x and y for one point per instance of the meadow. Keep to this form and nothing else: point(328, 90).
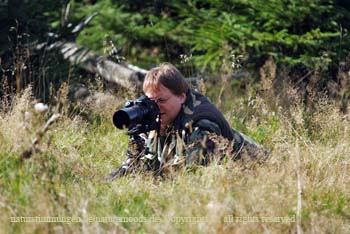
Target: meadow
point(60, 187)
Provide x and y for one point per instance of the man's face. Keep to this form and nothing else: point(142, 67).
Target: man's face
point(169, 104)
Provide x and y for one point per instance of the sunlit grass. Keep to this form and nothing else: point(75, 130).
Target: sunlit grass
point(66, 178)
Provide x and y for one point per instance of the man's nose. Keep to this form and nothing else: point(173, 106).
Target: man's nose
point(160, 107)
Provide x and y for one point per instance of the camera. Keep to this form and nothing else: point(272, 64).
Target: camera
point(139, 116)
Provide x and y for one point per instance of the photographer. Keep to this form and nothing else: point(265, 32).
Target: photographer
point(188, 125)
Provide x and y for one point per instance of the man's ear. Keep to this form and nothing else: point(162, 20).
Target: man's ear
point(182, 97)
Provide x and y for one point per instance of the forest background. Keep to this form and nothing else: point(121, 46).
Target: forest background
point(279, 70)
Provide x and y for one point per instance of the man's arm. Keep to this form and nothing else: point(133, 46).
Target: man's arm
point(207, 144)
point(199, 145)
point(135, 151)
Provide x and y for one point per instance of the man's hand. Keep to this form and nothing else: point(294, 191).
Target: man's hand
point(116, 174)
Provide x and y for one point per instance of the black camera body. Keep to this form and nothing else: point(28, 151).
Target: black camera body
point(139, 116)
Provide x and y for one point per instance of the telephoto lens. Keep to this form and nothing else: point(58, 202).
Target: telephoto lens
point(127, 117)
point(142, 111)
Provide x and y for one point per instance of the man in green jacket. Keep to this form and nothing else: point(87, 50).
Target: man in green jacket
point(189, 123)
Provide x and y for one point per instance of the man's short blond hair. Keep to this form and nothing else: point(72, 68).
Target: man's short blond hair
point(167, 75)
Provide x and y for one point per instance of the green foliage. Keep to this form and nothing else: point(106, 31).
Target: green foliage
point(292, 31)
point(197, 36)
point(138, 31)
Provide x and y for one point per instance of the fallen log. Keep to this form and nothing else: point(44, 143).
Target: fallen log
point(125, 75)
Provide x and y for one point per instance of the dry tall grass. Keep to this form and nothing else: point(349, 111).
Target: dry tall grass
point(302, 187)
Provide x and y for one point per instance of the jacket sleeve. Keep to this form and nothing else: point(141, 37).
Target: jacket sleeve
point(136, 149)
point(199, 144)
